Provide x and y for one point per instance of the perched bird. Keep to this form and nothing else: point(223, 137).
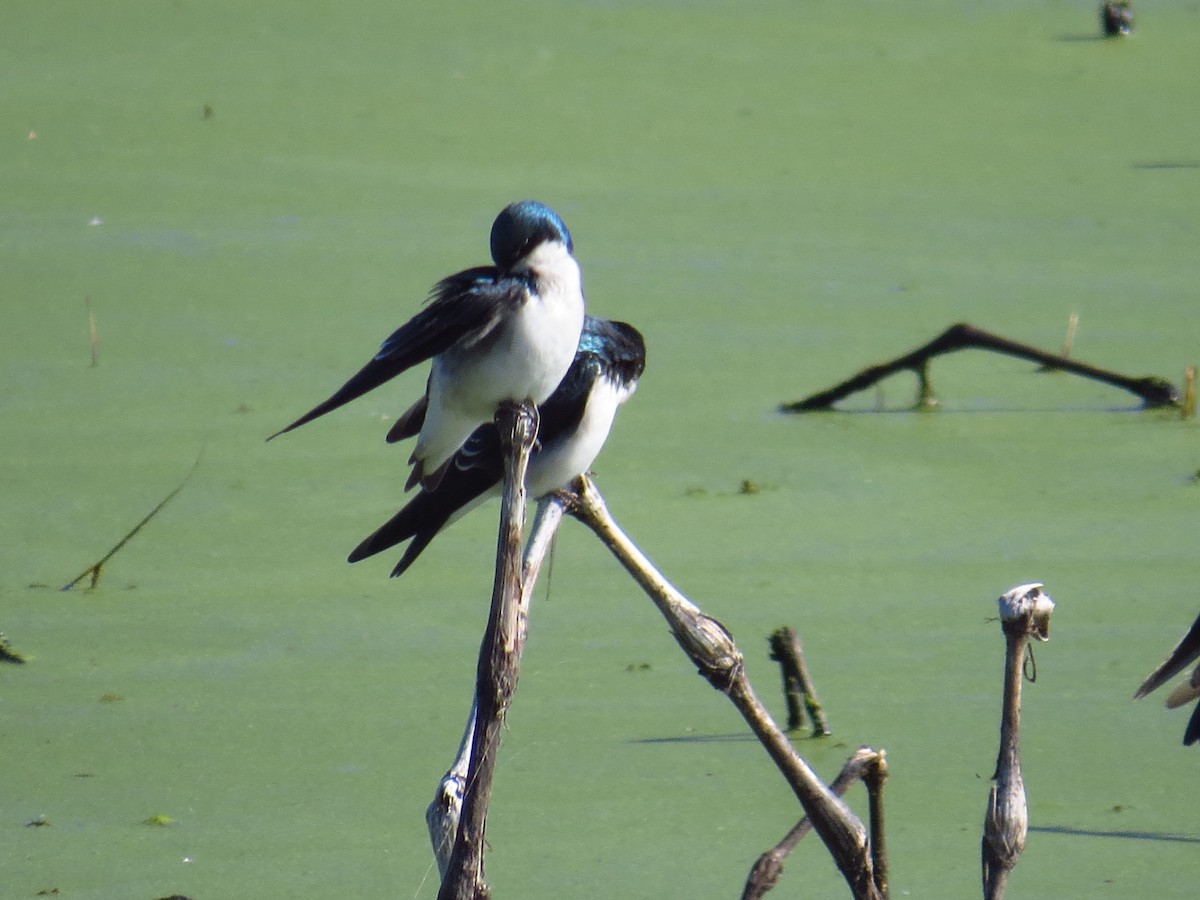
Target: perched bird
point(498, 333)
point(1185, 652)
point(575, 422)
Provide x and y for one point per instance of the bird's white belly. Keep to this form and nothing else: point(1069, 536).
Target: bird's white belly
point(524, 359)
point(556, 465)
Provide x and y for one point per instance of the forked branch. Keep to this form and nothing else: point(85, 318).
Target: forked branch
point(1152, 390)
point(711, 648)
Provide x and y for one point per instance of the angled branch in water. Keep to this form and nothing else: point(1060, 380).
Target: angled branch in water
point(1185, 652)
point(712, 650)
point(1024, 613)
point(766, 871)
point(1153, 391)
point(798, 690)
point(94, 569)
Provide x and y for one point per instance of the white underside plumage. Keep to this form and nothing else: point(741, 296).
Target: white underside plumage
point(553, 467)
point(525, 358)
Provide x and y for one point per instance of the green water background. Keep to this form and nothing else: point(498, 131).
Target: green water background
point(250, 196)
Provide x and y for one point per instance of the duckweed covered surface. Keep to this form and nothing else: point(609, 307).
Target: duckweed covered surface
point(249, 197)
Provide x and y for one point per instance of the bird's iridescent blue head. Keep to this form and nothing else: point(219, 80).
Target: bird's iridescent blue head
point(521, 227)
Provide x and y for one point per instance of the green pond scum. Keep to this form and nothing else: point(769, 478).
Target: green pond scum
point(214, 210)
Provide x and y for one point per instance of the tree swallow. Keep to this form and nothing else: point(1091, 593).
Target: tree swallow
point(575, 422)
point(1186, 652)
point(498, 333)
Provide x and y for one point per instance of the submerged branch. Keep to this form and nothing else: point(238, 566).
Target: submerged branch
point(1153, 391)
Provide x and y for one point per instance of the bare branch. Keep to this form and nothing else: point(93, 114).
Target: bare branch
point(1153, 391)
point(711, 648)
point(443, 813)
point(499, 660)
point(94, 569)
point(769, 867)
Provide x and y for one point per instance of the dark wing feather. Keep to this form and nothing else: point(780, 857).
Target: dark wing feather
point(465, 305)
point(1192, 734)
point(610, 349)
point(476, 467)
point(410, 422)
point(1185, 651)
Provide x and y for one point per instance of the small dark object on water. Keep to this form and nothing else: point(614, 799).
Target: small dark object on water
point(1116, 18)
point(7, 653)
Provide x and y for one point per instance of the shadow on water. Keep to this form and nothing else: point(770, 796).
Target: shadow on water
point(964, 410)
point(1167, 164)
point(696, 739)
point(1130, 835)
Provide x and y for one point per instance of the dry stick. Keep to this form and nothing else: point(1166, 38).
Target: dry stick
point(1024, 613)
point(1069, 340)
point(1154, 391)
point(874, 778)
point(443, 813)
point(1188, 410)
point(93, 333)
point(766, 871)
point(711, 648)
point(499, 659)
point(94, 569)
point(797, 683)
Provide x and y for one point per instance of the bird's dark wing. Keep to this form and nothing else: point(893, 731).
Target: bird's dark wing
point(409, 423)
point(619, 346)
point(606, 349)
point(466, 305)
point(1192, 734)
point(475, 468)
point(1185, 651)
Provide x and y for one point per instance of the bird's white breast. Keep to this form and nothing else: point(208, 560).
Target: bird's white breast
point(557, 464)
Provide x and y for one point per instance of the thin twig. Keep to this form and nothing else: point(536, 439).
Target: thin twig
point(94, 569)
point(93, 333)
point(1153, 391)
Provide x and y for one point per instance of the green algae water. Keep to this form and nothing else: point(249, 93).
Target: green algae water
point(249, 198)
